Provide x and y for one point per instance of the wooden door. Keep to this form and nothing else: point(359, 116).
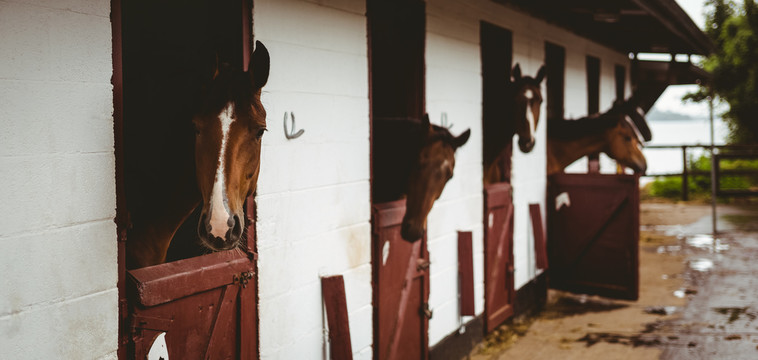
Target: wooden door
point(203, 307)
point(593, 234)
point(401, 288)
point(498, 256)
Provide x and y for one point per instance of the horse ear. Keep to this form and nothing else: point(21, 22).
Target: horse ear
point(215, 67)
point(259, 66)
point(516, 73)
point(461, 139)
point(541, 74)
point(426, 124)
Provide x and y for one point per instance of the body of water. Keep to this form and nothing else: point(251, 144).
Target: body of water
point(680, 132)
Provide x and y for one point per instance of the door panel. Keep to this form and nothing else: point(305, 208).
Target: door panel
point(593, 234)
point(498, 257)
point(401, 287)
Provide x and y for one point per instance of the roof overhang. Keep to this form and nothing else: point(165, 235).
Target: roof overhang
point(629, 26)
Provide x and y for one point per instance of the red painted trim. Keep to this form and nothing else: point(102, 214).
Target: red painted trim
point(466, 273)
point(410, 273)
point(333, 289)
point(122, 217)
point(540, 245)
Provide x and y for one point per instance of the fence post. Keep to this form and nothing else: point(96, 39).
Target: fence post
point(685, 184)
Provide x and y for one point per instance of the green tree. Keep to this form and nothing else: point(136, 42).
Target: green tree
point(733, 29)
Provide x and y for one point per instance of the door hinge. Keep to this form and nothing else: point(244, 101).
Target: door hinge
point(243, 278)
point(422, 264)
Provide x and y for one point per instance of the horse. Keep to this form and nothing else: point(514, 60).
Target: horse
point(619, 132)
point(520, 113)
point(414, 159)
point(218, 175)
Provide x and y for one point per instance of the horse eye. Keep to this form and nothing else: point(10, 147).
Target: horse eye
point(259, 135)
point(249, 176)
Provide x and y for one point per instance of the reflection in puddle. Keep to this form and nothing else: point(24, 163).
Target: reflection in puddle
point(706, 242)
point(701, 265)
point(669, 249)
point(668, 230)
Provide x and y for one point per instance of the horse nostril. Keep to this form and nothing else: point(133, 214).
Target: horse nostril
point(237, 229)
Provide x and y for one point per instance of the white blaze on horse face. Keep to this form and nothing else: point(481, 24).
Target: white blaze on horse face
point(528, 94)
point(219, 209)
point(530, 118)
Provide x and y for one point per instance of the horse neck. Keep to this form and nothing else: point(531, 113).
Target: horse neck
point(562, 153)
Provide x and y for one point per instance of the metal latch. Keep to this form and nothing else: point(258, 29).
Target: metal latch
point(422, 264)
point(243, 278)
point(425, 311)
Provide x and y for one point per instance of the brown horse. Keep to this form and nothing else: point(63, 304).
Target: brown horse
point(229, 124)
point(520, 113)
point(620, 133)
point(414, 159)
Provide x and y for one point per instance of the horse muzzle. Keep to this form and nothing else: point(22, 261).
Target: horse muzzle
point(411, 232)
point(232, 233)
point(526, 145)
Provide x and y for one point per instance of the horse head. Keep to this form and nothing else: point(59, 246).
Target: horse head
point(527, 103)
point(624, 143)
point(228, 149)
point(431, 171)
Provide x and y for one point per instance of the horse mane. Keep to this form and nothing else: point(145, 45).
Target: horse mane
point(412, 128)
point(568, 129)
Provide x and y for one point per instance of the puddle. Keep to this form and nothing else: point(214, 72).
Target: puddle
point(668, 230)
point(630, 340)
point(569, 305)
point(701, 265)
point(669, 249)
point(660, 310)
point(735, 313)
point(681, 293)
point(706, 242)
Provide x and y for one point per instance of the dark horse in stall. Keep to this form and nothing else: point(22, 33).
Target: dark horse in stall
point(521, 107)
point(414, 159)
point(217, 169)
point(619, 132)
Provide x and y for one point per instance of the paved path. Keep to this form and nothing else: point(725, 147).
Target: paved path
point(698, 298)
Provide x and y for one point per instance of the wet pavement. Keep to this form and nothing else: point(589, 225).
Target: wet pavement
point(720, 319)
point(698, 298)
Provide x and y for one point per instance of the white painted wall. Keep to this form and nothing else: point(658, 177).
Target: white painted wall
point(58, 238)
point(453, 73)
point(313, 192)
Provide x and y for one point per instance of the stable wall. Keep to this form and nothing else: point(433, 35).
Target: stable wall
point(454, 86)
point(59, 298)
point(313, 193)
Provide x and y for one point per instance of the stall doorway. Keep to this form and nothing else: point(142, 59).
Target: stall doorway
point(199, 305)
point(400, 268)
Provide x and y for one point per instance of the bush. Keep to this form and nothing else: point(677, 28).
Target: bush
point(699, 186)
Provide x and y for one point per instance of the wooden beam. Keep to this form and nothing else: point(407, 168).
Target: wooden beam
point(333, 289)
point(540, 243)
point(466, 273)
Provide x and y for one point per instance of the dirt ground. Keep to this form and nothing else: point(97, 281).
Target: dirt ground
point(660, 324)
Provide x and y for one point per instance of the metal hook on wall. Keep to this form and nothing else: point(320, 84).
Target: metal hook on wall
point(291, 134)
point(443, 121)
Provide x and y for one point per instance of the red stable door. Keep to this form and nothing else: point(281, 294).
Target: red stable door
point(401, 288)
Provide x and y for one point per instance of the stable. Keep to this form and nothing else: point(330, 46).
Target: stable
point(86, 83)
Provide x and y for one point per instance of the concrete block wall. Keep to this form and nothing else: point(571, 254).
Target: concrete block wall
point(313, 192)
point(58, 297)
point(453, 73)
